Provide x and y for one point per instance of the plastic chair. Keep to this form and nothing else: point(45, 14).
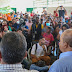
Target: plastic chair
point(29, 55)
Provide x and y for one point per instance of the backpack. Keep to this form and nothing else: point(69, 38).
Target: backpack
point(29, 53)
point(35, 49)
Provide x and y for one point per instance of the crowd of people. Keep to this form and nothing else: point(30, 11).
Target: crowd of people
point(42, 36)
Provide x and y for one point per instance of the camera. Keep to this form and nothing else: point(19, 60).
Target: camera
point(60, 6)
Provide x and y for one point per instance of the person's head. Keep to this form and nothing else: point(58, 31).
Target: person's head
point(32, 12)
point(43, 9)
point(64, 27)
point(4, 23)
point(0, 22)
point(57, 28)
point(56, 23)
point(41, 16)
point(5, 27)
point(61, 7)
point(54, 19)
point(17, 21)
point(14, 21)
point(41, 21)
point(54, 12)
point(21, 20)
point(13, 48)
point(69, 21)
point(29, 20)
point(10, 23)
point(37, 20)
point(0, 29)
point(71, 26)
point(47, 23)
point(42, 40)
point(40, 63)
point(65, 12)
point(66, 41)
point(49, 30)
point(13, 29)
point(61, 18)
point(19, 30)
point(26, 16)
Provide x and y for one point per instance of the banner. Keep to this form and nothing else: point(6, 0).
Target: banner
point(5, 10)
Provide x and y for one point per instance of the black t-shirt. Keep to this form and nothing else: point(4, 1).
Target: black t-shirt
point(61, 13)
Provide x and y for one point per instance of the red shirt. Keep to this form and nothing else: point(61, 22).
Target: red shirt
point(32, 14)
point(56, 15)
point(49, 37)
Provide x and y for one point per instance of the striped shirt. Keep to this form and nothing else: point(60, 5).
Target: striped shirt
point(13, 68)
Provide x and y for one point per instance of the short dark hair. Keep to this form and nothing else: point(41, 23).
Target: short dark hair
point(49, 28)
point(13, 47)
point(56, 27)
point(14, 29)
point(65, 25)
point(47, 20)
point(41, 37)
point(19, 29)
point(10, 22)
point(40, 63)
point(41, 19)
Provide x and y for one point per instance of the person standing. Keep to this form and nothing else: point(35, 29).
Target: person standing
point(61, 11)
point(64, 63)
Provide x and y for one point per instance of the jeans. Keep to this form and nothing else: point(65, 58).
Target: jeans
point(34, 67)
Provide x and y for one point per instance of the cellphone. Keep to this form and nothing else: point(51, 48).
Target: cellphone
point(60, 6)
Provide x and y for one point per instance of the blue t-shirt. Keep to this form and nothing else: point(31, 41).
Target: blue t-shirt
point(34, 67)
point(16, 26)
point(63, 64)
point(14, 16)
point(26, 27)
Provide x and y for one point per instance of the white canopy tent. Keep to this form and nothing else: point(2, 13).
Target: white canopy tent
point(21, 5)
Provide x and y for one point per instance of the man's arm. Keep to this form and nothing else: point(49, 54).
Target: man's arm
point(64, 8)
point(33, 52)
point(57, 9)
point(25, 29)
point(44, 50)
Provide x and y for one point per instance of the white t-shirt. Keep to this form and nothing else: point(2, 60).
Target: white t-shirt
point(39, 51)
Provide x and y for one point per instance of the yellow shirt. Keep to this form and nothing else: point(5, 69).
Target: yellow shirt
point(37, 26)
point(41, 26)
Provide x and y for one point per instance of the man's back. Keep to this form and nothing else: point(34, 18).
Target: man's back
point(13, 68)
point(13, 50)
point(64, 64)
